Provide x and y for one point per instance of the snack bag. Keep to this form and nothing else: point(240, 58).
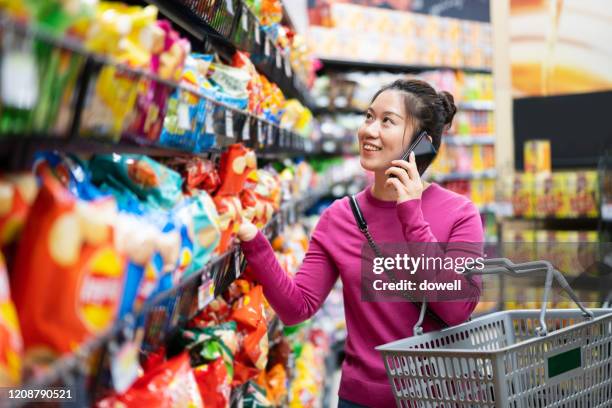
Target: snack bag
point(212, 343)
point(255, 397)
point(230, 210)
point(200, 216)
point(150, 181)
point(255, 86)
point(256, 345)
point(171, 384)
point(17, 192)
point(11, 346)
point(68, 238)
point(236, 163)
point(214, 383)
point(274, 382)
point(200, 175)
point(249, 309)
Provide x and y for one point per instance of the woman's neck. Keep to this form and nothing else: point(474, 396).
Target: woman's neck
point(384, 192)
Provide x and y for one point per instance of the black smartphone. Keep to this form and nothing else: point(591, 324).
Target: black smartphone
point(424, 152)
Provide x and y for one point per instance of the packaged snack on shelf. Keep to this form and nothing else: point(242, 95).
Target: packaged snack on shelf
point(202, 219)
point(584, 196)
point(255, 397)
point(150, 181)
point(255, 86)
point(73, 239)
point(537, 156)
point(11, 345)
point(523, 195)
point(547, 199)
point(17, 192)
point(171, 383)
point(249, 309)
point(214, 383)
point(236, 164)
point(212, 343)
point(230, 210)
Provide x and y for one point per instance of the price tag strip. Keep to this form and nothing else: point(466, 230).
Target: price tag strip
point(230, 6)
point(229, 123)
point(245, 19)
point(246, 129)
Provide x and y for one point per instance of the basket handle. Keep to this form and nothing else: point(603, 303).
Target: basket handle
point(498, 266)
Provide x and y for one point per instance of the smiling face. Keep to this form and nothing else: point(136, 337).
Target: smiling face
point(385, 133)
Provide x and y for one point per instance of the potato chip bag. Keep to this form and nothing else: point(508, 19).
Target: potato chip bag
point(230, 210)
point(11, 346)
point(249, 309)
point(72, 239)
point(214, 383)
point(171, 384)
point(274, 382)
point(236, 164)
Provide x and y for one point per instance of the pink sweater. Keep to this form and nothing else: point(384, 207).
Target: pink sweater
point(335, 250)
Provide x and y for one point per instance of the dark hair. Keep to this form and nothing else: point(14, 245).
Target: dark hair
point(430, 111)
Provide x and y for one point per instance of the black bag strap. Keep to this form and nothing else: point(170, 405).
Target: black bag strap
point(363, 227)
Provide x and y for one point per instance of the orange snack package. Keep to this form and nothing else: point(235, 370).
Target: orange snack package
point(66, 248)
point(11, 345)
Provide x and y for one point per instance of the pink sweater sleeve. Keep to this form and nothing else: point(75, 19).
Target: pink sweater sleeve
point(297, 299)
point(467, 229)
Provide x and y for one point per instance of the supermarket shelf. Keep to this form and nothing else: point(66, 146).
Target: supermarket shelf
point(486, 174)
point(553, 223)
point(229, 124)
point(468, 140)
point(476, 105)
point(229, 26)
point(343, 65)
point(177, 305)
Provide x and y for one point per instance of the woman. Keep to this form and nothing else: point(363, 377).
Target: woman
point(398, 209)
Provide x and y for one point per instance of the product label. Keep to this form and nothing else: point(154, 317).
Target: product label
point(257, 33)
point(245, 19)
point(266, 47)
point(101, 289)
point(246, 130)
point(206, 293)
point(230, 6)
point(278, 58)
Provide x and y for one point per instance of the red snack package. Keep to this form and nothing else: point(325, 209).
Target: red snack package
point(243, 373)
point(17, 192)
point(11, 345)
point(66, 248)
point(229, 209)
point(255, 346)
point(201, 175)
point(249, 309)
point(236, 163)
point(171, 384)
point(214, 383)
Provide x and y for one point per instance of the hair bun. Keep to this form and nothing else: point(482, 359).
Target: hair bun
point(448, 104)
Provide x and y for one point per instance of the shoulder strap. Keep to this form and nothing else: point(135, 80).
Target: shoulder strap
point(363, 226)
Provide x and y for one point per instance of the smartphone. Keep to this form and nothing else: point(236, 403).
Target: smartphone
point(424, 152)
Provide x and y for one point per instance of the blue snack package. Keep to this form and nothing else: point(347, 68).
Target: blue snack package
point(150, 181)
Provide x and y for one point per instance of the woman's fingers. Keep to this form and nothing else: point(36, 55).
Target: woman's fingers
point(400, 173)
point(413, 172)
point(395, 183)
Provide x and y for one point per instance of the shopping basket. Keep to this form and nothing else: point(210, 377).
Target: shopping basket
point(519, 359)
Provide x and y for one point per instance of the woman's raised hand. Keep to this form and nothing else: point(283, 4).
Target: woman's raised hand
point(247, 231)
point(407, 181)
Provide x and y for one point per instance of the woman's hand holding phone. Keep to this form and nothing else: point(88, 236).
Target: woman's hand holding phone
point(407, 181)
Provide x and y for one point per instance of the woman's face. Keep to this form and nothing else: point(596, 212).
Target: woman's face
point(381, 135)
